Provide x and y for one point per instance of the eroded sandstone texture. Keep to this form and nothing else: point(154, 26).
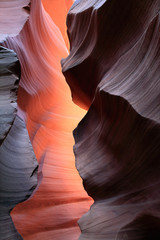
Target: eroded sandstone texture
point(45, 104)
point(58, 11)
point(18, 164)
point(9, 79)
point(114, 70)
point(13, 15)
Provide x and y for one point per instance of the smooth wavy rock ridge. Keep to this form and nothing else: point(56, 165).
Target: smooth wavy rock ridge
point(18, 175)
point(13, 15)
point(45, 104)
point(58, 11)
point(114, 70)
point(18, 164)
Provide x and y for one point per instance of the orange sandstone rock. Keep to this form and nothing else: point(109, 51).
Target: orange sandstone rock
point(44, 102)
point(58, 10)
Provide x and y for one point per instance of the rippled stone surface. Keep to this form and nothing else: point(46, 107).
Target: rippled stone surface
point(114, 70)
point(13, 15)
point(9, 79)
point(100, 35)
point(59, 16)
point(18, 175)
point(123, 182)
point(45, 104)
point(18, 164)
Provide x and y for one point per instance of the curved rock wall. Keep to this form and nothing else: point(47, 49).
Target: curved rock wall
point(100, 35)
point(45, 104)
point(9, 79)
point(114, 70)
point(18, 165)
point(13, 15)
point(58, 11)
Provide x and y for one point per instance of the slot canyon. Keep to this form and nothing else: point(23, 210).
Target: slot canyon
point(80, 119)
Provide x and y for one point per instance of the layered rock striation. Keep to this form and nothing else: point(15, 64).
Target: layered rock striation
point(18, 164)
point(9, 79)
point(13, 15)
point(113, 70)
point(44, 103)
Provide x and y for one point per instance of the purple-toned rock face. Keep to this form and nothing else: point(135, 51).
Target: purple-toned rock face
point(13, 15)
point(9, 79)
point(114, 70)
point(101, 33)
point(117, 155)
point(18, 177)
point(144, 227)
point(18, 165)
point(45, 104)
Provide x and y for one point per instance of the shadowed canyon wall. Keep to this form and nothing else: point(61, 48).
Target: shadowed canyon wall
point(18, 165)
point(45, 104)
point(114, 70)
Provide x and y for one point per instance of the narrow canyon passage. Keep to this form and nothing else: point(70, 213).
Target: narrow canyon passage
point(45, 104)
point(87, 74)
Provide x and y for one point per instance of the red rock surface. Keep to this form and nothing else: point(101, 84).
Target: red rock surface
point(44, 102)
point(58, 10)
point(113, 71)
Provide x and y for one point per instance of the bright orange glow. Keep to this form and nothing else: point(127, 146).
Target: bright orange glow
point(58, 9)
point(45, 103)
